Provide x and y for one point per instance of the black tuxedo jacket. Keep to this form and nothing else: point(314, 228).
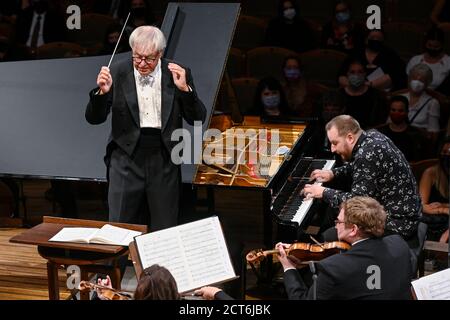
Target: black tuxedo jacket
point(53, 30)
point(122, 102)
point(349, 275)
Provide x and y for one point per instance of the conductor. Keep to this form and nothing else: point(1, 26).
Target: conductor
point(148, 97)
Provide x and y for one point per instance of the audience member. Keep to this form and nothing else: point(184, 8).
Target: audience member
point(155, 283)
point(288, 30)
point(270, 99)
point(410, 140)
point(295, 87)
point(342, 33)
point(364, 103)
point(434, 191)
point(440, 15)
point(38, 25)
point(424, 110)
point(111, 37)
point(385, 69)
point(435, 58)
point(141, 14)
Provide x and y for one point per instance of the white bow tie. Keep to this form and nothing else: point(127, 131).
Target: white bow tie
point(146, 80)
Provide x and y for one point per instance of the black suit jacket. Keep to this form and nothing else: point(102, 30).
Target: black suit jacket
point(53, 30)
point(122, 102)
point(346, 275)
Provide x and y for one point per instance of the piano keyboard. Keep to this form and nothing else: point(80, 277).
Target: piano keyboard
point(290, 207)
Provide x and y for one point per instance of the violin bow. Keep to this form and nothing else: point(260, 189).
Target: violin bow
point(317, 242)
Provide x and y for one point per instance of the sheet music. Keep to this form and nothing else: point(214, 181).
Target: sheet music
point(433, 287)
point(74, 235)
point(195, 253)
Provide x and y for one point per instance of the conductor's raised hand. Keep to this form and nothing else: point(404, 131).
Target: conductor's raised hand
point(179, 76)
point(322, 175)
point(104, 80)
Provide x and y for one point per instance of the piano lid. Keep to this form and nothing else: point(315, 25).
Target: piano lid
point(248, 154)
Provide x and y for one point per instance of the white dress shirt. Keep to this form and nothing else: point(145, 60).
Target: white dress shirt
point(149, 98)
point(40, 39)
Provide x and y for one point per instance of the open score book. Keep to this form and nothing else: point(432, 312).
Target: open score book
point(107, 234)
point(195, 253)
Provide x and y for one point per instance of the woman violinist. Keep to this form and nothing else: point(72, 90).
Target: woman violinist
point(375, 267)
point(155, 283)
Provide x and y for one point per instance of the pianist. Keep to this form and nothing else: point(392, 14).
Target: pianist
point(375, 267)
point(377, 169)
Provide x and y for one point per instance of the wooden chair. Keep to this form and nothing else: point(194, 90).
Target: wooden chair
point(236, 63)
point(322, 65)
point(54, 50)
point(250, 32)
point(419, 167)
point(245, 89)
point(267, 61)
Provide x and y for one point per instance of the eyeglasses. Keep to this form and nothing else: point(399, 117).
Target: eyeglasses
point(147, 60)
point(336, 222)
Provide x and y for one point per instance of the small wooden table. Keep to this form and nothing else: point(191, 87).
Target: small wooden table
point(89, 257)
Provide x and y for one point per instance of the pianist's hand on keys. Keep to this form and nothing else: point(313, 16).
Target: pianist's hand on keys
point(316, 190)
point(322, 175)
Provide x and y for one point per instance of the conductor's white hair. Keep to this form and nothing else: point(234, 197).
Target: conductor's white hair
point(147, 38)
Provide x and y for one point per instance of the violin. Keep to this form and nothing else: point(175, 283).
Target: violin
point(107, 292)
point(302, 251)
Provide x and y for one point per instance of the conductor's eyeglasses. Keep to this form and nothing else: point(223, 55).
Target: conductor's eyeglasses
point(147, 60)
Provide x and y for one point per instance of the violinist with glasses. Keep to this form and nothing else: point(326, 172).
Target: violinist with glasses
point(375, 267)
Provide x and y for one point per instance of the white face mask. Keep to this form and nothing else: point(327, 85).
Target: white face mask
point(417, 86)
point(289, 13)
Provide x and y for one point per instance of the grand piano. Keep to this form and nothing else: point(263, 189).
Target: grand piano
point(253, 173)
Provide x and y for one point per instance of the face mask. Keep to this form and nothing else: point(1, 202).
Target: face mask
point(138, 12)
point(356, 80)
point(375, 45)
point(417, 86)
point(343, 16)
point(292, 73)
point(398, 117)
point(289, 13)
point(271, 102)
point(433, 52)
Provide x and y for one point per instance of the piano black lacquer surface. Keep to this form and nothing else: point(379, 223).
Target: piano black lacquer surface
point(278, 177)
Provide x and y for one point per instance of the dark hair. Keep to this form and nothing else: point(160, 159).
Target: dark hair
point(292, 57)
point(368, 31)
point(401, 99)
point(272, 84)
point(356, 61)
point(435, 34)
point(331, 97)
point(156, 283)
point(337, 2)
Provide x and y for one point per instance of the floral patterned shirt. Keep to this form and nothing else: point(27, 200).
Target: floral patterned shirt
point(379, 170)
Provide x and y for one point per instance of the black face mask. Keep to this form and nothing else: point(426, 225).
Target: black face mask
point(138, 12)
point(375, 45)
point(433, 52)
